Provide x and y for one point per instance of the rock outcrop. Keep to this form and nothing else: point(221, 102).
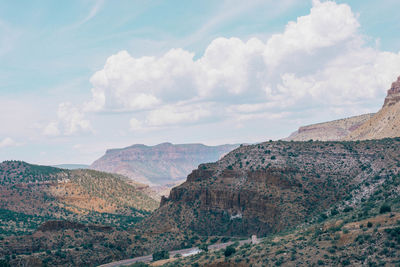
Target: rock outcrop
point(383, 124)
point(269, 187)
point(393, 94)
point(386, 122)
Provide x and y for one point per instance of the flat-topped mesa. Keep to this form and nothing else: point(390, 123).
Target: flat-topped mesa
point(393, 95)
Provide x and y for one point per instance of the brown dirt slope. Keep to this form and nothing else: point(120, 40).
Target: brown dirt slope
point(329, 131)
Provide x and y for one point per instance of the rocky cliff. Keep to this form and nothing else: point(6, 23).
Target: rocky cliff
point(393, 94)
point(162, 164)
point(386, 122)
point(270, 187)
point(383, 124)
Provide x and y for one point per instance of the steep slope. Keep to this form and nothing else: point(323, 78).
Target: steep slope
point(329, 131)
point(353, 233)
point(162, 164)
point(385, 123)
point(269, 187)
point(32, 194)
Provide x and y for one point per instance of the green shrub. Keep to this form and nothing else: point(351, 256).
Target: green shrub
point(139, 264)
point(385, 208)
point(160, 255)
point(229, 251)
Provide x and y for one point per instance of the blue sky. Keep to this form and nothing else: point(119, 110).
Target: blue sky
point(78, 77)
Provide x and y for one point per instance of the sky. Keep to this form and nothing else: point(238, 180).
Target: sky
point(80, 77)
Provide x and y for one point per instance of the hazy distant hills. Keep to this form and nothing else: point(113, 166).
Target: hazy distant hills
point(383, 124)
point(160, 165)
point(72, 166)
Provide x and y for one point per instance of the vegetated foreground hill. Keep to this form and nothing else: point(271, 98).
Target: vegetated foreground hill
point(32, 194)
point(383, 124)
point(329, 131)
point(269, 187)
point(162, 164)
point(348, 234)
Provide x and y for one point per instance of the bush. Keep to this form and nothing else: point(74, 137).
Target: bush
point(203, 247)
point(4, 263)
point(334, 212)
point(160, 255)
point(229, 251)
point(139, 264)
point(385, 208)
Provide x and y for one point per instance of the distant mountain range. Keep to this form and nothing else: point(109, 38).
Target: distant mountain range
point(72, 166)
point(383, 124)
point(162, 165)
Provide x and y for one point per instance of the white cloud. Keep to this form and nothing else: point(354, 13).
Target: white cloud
point(6, 142)
point(51, 129)
point(70, 121)
point(327, 25)
point(319, 60)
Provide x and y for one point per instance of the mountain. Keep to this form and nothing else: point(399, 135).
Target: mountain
point(329, 131)
point(270, 187)
point(71, 166)
point(32, 194)
point(366, 235)
point(385, 123)
point(329, 203)
point(161, 164)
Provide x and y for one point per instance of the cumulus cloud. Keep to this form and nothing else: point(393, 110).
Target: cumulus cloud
point(70, 121)
point(320, 59)
point(6, 142)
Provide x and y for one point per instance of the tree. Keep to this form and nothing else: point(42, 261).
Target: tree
point(204, 247)
point(385, 208)
point(229, 251)
point(160, 255)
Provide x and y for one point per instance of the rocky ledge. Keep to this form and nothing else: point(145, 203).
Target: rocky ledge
point(393, 94)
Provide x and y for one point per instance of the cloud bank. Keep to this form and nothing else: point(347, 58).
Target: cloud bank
point(6, 142)
point(319, 60)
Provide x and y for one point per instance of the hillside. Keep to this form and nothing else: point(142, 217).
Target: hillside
point(32, 194)
point(293, 193)
point(385, 123)
point(159, 165)
point(269, 187)
point(329, 131)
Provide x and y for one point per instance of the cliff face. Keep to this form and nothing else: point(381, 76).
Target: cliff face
point(162, 164)
point(269, 187)
point(329, 131)
point(393, 94)
point(385, 123)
